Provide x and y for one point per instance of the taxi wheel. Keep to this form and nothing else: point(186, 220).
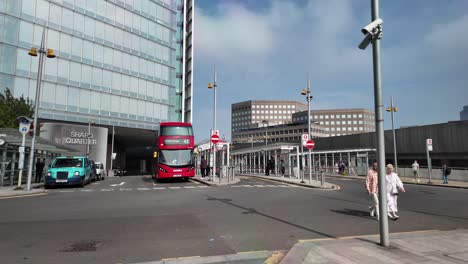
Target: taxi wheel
point(82, 183)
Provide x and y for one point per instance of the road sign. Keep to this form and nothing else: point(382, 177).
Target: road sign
point(214, 138)
point(310, 144)
point(304, 138)
point(429, 144)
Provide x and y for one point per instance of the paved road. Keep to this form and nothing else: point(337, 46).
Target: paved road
point(136, 221)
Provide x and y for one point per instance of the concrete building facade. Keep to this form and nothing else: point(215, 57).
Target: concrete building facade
point(340, 122)
point(259, 113)
point(464, 113)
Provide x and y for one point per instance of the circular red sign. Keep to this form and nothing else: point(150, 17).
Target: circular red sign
point(310, 144)
point(214, 138)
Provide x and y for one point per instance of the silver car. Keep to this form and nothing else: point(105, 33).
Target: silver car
point(100, 171)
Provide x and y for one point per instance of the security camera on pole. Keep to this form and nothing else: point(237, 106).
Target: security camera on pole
point(24, 125)
point(373, 33)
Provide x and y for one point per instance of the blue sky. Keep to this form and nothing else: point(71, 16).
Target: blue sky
point(264, 50)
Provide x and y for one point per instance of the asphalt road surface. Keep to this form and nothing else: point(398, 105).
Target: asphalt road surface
point(130, 219)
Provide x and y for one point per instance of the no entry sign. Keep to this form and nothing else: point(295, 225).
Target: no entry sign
point(214, 138)
point(310, 144)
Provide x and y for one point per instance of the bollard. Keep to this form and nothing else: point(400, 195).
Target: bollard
point(322, 179)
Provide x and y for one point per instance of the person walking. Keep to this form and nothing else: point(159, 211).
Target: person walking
point(40, 164)
point(393, 185)
point(203, 165)
point(372, 187)
point(415, 167)
point(445, 173)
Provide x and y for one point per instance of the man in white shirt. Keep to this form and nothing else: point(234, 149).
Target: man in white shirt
point(415, 167)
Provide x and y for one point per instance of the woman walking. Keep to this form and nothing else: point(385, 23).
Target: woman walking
point(393, 185)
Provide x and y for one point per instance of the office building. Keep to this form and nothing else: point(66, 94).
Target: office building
point(464, 113)
point(122, 63)
point(251, 114)
point(340, 122)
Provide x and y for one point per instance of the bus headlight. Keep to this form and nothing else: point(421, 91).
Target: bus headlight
point(161, 169)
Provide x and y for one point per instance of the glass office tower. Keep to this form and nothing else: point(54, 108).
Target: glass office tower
point(122, 63)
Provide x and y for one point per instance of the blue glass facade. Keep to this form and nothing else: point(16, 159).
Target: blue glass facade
point(116, 60)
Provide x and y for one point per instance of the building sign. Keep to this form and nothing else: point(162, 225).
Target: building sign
point(80, 138)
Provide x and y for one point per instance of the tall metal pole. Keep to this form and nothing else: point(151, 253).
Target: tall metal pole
point(36, 110)
point(214, 124)
point(87, 143)
point(112, 149)
point(21, 162)
point(379, 124)
point(309, 98)
point(395, 160)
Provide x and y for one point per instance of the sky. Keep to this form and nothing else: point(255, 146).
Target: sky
point(265, 50)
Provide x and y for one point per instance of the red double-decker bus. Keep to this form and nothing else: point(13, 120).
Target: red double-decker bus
point(174, 156)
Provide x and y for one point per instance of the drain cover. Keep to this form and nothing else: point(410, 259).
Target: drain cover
point(85, 245)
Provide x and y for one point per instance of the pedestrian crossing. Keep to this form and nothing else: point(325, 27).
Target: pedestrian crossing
point(160, 188)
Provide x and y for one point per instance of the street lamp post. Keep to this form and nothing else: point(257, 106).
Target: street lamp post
point(306, 93)
point(50, 54)
point(392, 109)
point(112, 151)
point(265, 124)
point(373, 34)
point(213, 86)
point(88, 137)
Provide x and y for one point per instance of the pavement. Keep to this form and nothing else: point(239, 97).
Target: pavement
point(133, 219)
point(10, 192)
point(412, 247)
point(409, 180)
point(304, 183)
point(217, 181)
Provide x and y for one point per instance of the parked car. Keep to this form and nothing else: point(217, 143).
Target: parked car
point(94, 176)
point(100, 171)
point(68, 171)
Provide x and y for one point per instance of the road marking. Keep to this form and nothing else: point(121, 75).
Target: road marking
point(252, 252)
point(143, 189)
point(120, 184)
point(125, 189)
point(259, 185)
point(236, 186)
point(87, 190)
point(247, 185)
point(106, 190)
point(66, 191)
point(190, 187)
point(284, 186)
point(174, 187)
point(271, 185)
point(159, 188)
point(203, 186)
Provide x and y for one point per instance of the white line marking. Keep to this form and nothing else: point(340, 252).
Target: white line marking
point(159, 188)
point(247, 185)
point(125, 189)
point(271, 185)
point(143, 189)
point(190, 187)
point(236, 186)
point(284, 186)
point(87, 190)
point(203, 186)
point(107, 190)
point(119, 184)
point(259, 185)
point(174, 187)
point(65, 191)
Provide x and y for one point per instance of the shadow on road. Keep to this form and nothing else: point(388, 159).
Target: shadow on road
point(353, 212)
point(254, 211)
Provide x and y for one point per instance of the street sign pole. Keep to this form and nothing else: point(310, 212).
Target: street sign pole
point(24, 125)
point(429, 161)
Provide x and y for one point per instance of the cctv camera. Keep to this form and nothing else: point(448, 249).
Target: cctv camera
point(365, 42)
point(370, 29)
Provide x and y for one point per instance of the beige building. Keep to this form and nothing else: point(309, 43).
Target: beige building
point(251, 114)
point(340, 122)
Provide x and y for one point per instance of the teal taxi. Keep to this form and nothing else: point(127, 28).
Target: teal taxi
point(68, 171)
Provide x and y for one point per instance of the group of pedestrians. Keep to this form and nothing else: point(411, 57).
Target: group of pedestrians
point(445, 172)
point(392, 187)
